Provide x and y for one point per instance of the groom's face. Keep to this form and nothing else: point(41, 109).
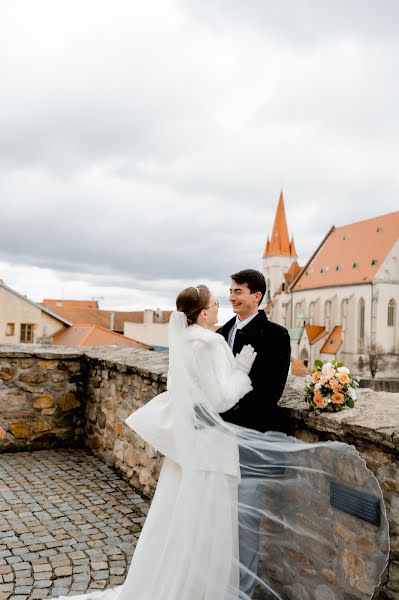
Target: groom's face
point(243, 302)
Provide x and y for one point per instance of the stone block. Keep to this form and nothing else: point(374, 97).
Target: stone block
point(44, 401)
point(41, 425)
point(34, 377)
point(47, 364)
point(20, 430)
point(12, 402)
point(7, 371)
point(68, 402)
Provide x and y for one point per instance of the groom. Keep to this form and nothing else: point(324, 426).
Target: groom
point(258, 409)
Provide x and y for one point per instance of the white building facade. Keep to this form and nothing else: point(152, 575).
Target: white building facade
point(343, 304)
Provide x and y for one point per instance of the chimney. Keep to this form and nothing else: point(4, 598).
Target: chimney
point(112, 320)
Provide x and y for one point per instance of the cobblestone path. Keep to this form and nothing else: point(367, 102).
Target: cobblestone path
point(68, 524)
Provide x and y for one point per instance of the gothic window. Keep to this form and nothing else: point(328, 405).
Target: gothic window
point(361, 318)
point(311, 313)
point(391, 313)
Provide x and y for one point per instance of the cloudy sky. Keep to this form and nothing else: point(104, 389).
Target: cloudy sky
point(143, 144)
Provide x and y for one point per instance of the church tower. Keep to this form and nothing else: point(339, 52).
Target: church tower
point(280, 252)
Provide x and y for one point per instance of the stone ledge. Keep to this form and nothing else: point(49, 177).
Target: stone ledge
point(144, 362)
point(375, 417)
point(38, 350)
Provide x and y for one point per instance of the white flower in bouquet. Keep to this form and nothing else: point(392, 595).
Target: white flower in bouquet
point(351, 393)
point(326, 366)
point(343, 370)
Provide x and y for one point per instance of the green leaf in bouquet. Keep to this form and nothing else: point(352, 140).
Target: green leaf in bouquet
point(318, 363)
point(340, 364)
point(350, 403)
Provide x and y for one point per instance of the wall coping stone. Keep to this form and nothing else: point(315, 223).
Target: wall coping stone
point(375, 417)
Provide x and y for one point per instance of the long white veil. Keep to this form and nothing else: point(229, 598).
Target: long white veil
point(311, 517)
point(238, 514)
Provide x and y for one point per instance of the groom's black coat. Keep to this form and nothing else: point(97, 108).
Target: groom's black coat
point(258, 409)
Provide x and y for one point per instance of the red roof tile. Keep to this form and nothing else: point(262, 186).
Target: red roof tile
point(351, 254)
point(298, 368)
point(93, 335)
point(333, 342)
point(315, 332)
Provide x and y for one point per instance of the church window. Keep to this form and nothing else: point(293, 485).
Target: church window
point(361, 318)
point(391, 313)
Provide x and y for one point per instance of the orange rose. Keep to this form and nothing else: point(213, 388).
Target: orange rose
point(335, 386)
point(344, 377)
point(338, 398)
point(318, 401)
point(315, 376)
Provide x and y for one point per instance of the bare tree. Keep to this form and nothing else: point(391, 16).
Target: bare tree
point(376, 358)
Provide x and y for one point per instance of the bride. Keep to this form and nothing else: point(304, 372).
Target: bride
point(188, 548)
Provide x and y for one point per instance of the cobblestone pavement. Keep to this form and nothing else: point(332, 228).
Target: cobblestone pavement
point(68, 524)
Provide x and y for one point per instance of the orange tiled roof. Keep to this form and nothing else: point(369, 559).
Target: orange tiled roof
point(292, 272)
point(54, 303)
point(351, 254)
point(105, 318)
point(333, 342)
point(298, 368)
point(280, 244)
point(315, 332)
point(93, 335)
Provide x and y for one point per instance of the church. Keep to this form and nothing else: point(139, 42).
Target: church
point(343, 303)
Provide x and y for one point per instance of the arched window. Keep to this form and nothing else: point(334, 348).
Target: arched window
point(391, 312)
point(360, 364)
point(304, 357)
point(361, 318)
point(327, 313)
point(311, 313)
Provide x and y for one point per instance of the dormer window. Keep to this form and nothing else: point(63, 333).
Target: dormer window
point(355, 265)
point(345, 236)
point(338, 268)
point(324, 269)
point(374, 262)
point(332, 341)
point(379, 229)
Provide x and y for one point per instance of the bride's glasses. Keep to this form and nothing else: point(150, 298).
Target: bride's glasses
point(216, 303)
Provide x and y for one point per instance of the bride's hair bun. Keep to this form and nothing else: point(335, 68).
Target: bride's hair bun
point(192, 300)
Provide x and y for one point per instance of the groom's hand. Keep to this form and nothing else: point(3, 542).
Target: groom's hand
point(245, 359)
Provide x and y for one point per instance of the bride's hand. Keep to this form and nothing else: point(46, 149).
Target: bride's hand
point(245, 359)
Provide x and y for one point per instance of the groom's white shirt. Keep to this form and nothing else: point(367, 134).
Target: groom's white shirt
point(238, 325)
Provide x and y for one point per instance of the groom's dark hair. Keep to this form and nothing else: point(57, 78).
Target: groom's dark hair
point(254, 279)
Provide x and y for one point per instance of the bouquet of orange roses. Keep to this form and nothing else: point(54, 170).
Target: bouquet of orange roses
point(330, 387)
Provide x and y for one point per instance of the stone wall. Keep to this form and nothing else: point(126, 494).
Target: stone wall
point(41, 394)
point(119, 382)
point(60, 397)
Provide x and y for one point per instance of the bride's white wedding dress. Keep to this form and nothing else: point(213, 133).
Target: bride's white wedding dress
point(189, 546)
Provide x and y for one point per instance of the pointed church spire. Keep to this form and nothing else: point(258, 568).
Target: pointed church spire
point(279, 244)
point(267, 247)
point(292, 247)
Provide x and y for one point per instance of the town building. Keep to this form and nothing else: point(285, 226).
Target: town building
point(343, 303)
